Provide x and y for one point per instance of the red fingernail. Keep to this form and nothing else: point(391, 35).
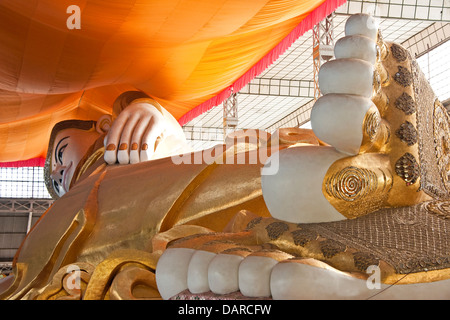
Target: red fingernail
point(123, 146)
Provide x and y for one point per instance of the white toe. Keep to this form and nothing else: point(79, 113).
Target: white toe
point(347, 76)
point(292, 280)
point(254, 276)
point(362, 24)
point(223, 273)
point(171, 271)
point(197, 278)
point(298, 184)
point(356, 46)
point(337, 119)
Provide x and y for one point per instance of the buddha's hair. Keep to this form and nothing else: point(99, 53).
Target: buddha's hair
point(86, 125)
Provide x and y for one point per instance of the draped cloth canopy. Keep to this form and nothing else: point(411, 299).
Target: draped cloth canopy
point(186, 54)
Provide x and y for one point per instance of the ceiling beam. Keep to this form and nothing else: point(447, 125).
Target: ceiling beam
point(278, 87)
point(436, 10)
point(428, 39)
point(296, 118)
point(199, 133)
point(15, 206)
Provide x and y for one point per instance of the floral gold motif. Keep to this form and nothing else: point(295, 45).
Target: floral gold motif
point(407, 168)
point(407, 133)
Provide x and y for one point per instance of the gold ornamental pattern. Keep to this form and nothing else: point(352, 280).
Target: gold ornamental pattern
point(442, 141)
point(351, 183)
point(372, 123)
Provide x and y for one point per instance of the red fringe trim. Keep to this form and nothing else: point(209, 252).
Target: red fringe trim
point(35, 162)
point(306, 24)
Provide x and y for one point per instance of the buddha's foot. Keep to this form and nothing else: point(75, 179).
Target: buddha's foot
point(397, 253)
point(388, 156)
point(387, 135)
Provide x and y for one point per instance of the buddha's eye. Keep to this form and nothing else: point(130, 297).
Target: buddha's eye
point(60, 153)
point(55, 186)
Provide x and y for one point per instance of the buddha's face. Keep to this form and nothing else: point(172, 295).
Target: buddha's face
point(68, 149)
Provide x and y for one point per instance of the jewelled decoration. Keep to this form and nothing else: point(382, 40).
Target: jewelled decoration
point(253, 223)
point(405, 103)
point(381, 47)
point(330, 248)
point(376, 79)
point(371, 124)
point(441, 130)
point(351, 183)
point(407, 133)
point(403, 77)
point(432, 128)
point(364, 260)
point(440, 208)
point(384, 236)
point(407, 168)
point(276, 229)
point(399, 53)
point(302, 237)
point(236, 249)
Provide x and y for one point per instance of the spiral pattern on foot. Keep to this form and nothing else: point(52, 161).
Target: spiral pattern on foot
point(351, 183)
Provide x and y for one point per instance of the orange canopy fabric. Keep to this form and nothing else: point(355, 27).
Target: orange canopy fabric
point(187, 54)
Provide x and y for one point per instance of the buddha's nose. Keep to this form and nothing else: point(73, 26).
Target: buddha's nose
point(57, 173)
point(57, 176)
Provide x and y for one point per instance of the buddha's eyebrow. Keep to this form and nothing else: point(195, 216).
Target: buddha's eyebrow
point(57, 146)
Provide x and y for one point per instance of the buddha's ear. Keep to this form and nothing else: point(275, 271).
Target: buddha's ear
point(103, 124)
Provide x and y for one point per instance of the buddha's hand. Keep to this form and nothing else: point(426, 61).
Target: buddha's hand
point(134, 134)
point(369, 114)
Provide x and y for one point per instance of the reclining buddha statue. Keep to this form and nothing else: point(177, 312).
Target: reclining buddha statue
point(357, 208)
